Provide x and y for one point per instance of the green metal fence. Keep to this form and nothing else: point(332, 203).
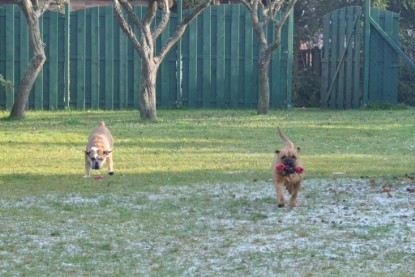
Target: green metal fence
point(91, 64)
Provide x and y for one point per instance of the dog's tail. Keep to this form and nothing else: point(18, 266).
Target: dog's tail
point(102, 124)
point(287, 141)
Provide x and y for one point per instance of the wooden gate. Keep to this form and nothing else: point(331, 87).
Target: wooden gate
point(384, 60)
point(342, 64)
point(340, 81)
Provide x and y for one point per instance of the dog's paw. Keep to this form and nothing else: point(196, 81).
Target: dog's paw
point(281, 205)
point(86, 176)
point(111, 173)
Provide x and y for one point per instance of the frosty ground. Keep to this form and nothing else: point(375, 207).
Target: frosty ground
point(341, 227)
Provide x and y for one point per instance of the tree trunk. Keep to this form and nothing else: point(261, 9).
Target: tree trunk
point(263, 76)
point(148, 109)
point(35, 64)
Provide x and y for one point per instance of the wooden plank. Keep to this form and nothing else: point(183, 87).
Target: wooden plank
point(342, 38)
point(80, 59)
point(3, 43)
point(333, 61)
point(123, 69)
point(325, 64)
point(109, 61)
point(53, 60)
point(179, 92)
point(248, 67)
point(206, 59)
point(67, 56)
point(388, 82)
point(355, 89)
point(234, 74)
point(10, 48)
point(290, 41)
point(348, 59)
point(185, 67)
point(375, 62)
point(391, 61)
point(192, 63)
point(220, 56)
point(95, 57)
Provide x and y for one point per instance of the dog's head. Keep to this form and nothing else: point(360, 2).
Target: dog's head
point(288, 156)
point(96, 157)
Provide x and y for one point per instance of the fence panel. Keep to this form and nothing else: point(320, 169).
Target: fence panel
point(340, 81)
point(384, 60)
point(341, 63)
point(229, 78)
point(100, 69)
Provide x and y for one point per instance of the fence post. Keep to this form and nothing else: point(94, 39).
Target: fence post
point(290, 58)
point(66, 55)
point(367, 54)
point(179, 58)
point(10, 49)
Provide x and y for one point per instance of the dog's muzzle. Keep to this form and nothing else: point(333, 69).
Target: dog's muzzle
point(289, 166)
point(289, 161)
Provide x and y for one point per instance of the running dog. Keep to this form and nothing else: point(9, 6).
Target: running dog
point(287, 171)
point(99, 150)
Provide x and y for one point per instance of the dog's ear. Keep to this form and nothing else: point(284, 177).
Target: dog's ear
point(87, 152)
point(277, 151)
point(106, 152)
point(298, 149)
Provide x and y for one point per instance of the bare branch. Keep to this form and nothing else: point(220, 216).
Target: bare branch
point(143, 28)
point(125, 26)
point(180, 30)
point(45, 7)
point(258, 26)
point(130, 12)
point(249, 7)
point(164, 20)
point(278, 26)
point(151, 11)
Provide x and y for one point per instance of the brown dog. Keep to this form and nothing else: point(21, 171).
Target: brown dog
point(287, 171)
point(99, 150)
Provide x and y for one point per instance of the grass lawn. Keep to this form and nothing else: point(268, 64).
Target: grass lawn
point(192, 195)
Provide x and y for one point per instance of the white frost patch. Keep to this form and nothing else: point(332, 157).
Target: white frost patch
point(345, 227)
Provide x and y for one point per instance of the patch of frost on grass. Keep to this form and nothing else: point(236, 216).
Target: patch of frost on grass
point(343, 226)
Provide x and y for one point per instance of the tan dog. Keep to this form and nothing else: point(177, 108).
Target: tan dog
point(287, 171)
point(99, 150)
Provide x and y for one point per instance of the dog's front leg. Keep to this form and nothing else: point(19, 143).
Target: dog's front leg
point(279, 187)
point(280, 195)
point(295, 189)
point(110, 165)
point(87, 168)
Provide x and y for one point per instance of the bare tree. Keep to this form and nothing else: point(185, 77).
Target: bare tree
point(269, 9)
point(145, 44)
point(32, 13)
